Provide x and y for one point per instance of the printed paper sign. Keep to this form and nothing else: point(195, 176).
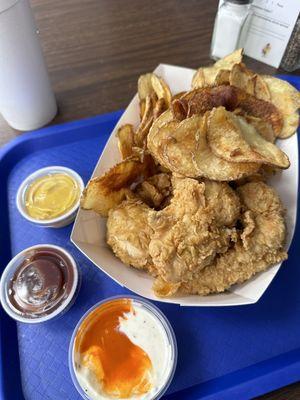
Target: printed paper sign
point(269, 29)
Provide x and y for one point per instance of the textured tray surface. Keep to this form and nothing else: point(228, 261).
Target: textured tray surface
point(211, 342)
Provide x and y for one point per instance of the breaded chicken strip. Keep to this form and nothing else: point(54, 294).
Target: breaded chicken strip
point(155, 190)
point(260, 245)
point(189, 233)
point(128, 233)
point(224, 202)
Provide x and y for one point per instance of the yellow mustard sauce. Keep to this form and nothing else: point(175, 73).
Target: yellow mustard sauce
point(51, 196)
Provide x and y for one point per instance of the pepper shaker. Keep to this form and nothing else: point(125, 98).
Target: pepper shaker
point(27, 101)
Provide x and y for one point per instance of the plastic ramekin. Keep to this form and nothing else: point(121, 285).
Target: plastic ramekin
point(62, 220)
point(9, 272)
point(161, 318)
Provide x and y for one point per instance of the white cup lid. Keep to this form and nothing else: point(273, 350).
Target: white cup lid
point(5, 4)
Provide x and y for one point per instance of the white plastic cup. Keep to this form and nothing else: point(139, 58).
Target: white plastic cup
point(57, 222)
point(27, 101)
point(158, 315)
point(8, 274)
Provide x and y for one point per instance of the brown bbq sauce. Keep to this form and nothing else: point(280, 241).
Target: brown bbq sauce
point(41, 283)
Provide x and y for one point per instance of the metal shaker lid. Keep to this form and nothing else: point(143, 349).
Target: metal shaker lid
point(241, 2)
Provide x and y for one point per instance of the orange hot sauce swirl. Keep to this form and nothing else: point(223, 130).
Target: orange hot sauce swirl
point(122, 368)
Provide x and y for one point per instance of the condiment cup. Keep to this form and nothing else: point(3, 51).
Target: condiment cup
point(161, 318)
point(62, 220)
point(8, 274)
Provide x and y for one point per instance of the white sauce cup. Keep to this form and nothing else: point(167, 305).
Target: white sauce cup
point(9, 272)
point(161, 319)
point(62, 220)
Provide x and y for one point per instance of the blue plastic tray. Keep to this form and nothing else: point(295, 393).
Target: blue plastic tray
point(224, 353)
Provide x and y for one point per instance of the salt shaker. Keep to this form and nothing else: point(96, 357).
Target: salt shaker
point(229, 25)
point(26, 99)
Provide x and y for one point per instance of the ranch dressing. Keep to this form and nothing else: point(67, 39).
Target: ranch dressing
point(144, 330)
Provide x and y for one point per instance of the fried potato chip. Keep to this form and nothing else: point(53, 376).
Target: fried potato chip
point(207, 77)
point(216, 74)
point(233, 99)
point(262, 127)
point(222, 77)
point(233, 139)
point(146, 122)
point(198, 80)
point(161, 89)
point(159, 108)
point(261, 90)
point(145, 87)
point(178, 95)
point(252, 83)
point(261, 109)
point(142, 108)
point(242, 78)
point(205, 99)
point(229, 61)
point(162, 288)
point(104, 193)
point(125, 136)
point(179, 109)
point(182, 147)
point(287, 99)
point(152, 138)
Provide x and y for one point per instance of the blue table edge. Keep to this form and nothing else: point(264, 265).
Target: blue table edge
point(249, 382)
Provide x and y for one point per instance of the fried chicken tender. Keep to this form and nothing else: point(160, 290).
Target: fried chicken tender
point(260, 245)
point(189, 233)
point(128, 233)
point(224, 201)
point(155, 190)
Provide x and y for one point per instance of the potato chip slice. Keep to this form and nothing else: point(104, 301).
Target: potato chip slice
point(152, 138)
point(205, 99)
point(161, 89)
point(228, 62)
point(198, 80)
point(162, 288)
point(104, 193)
point(287, 99)
point(233, 139)
point(159, 108)
point(178, 95)
point(242, 78)
point(145, 86)
point(252, 83)
point(209, 76)
point(262, 127)
point(125, 136)
point(261, 90)
point(216, 74)
point(146, 122)
point(179, 109)
point(182, 147)
point(222, 77)
point(233, 99)
point(260, 109)
point(142, 108)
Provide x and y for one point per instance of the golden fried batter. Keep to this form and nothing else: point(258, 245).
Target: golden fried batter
point(189, 233)
point(260, 245)
point(155, 190)
point(128, 233)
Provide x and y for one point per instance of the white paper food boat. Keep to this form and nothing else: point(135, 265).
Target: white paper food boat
point(89, 229)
